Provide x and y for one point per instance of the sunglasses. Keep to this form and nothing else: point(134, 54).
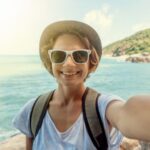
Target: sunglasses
point(78, 56)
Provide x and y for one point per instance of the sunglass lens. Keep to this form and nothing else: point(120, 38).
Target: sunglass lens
point(80, 56)
point(58, 56)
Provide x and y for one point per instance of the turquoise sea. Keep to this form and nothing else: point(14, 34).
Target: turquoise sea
point(24, 77)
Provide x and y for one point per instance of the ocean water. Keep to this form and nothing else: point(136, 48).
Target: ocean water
point(24, 77)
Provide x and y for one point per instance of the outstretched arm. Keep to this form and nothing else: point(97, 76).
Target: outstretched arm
point(132, 118)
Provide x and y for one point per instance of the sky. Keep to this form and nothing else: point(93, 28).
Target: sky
point(22, 21)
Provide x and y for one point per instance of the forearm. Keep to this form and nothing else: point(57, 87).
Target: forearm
point(135, 118)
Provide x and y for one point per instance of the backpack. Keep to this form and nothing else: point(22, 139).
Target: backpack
point(91, 116)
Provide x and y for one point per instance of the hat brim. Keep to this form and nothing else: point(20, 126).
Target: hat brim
point(54, 29)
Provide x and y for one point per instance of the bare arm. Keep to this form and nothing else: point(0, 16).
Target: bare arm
point(131, 118)
point(28, 143)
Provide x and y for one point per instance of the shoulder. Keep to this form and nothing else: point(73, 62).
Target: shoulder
point(26, 109)
point(103, 102)
point(22, 118)
point(105, 98)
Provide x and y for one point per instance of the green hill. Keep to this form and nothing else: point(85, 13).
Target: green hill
point(137, 43)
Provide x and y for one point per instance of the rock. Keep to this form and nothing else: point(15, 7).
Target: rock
point(16, 142)
point(145, 145)
point(137, 59)
point(146, 54)
point(130, 144)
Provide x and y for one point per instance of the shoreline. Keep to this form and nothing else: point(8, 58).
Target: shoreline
point(119, 58)
point(135, 58)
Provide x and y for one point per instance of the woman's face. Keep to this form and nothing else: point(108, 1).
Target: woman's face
point(69, 73)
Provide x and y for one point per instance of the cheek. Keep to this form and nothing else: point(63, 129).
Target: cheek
point(54, 69)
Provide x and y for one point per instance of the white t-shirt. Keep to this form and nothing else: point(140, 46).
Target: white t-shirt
point(74, 138)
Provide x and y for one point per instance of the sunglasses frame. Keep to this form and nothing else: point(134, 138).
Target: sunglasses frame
point(69, 53)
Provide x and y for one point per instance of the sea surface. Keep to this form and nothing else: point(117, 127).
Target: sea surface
point(24, 77)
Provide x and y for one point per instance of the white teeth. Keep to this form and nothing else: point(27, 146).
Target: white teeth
point(69, 74)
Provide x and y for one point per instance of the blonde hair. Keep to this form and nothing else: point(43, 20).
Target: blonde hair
point(94, 58)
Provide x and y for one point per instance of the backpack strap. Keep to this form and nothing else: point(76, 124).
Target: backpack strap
point(38, 112)
point(93, 120)
point(91, 116)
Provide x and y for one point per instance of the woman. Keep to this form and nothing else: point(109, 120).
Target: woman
point(70, 51)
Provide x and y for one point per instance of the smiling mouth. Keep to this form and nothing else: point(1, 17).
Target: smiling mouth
point(70, 73)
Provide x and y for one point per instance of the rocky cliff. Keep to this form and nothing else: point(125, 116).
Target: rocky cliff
point(138, 44)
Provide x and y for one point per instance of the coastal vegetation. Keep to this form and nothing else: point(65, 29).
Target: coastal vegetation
point(139, 43)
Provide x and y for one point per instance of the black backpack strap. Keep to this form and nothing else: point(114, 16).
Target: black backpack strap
point(93, 120)
point(38, 112)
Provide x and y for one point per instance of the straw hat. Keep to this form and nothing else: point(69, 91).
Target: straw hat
point(55, 28)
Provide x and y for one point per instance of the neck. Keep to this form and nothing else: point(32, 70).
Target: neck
point(65, 94)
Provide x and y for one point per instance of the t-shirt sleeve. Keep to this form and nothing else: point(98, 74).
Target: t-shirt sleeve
point(114, 138)
point(21, 120)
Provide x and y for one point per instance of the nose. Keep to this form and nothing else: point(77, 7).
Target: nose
point(69, 61)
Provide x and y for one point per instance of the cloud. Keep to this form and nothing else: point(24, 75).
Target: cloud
point(141, 26)
point(100, 19)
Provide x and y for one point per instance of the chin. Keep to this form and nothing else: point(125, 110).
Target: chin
point(71, 84)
